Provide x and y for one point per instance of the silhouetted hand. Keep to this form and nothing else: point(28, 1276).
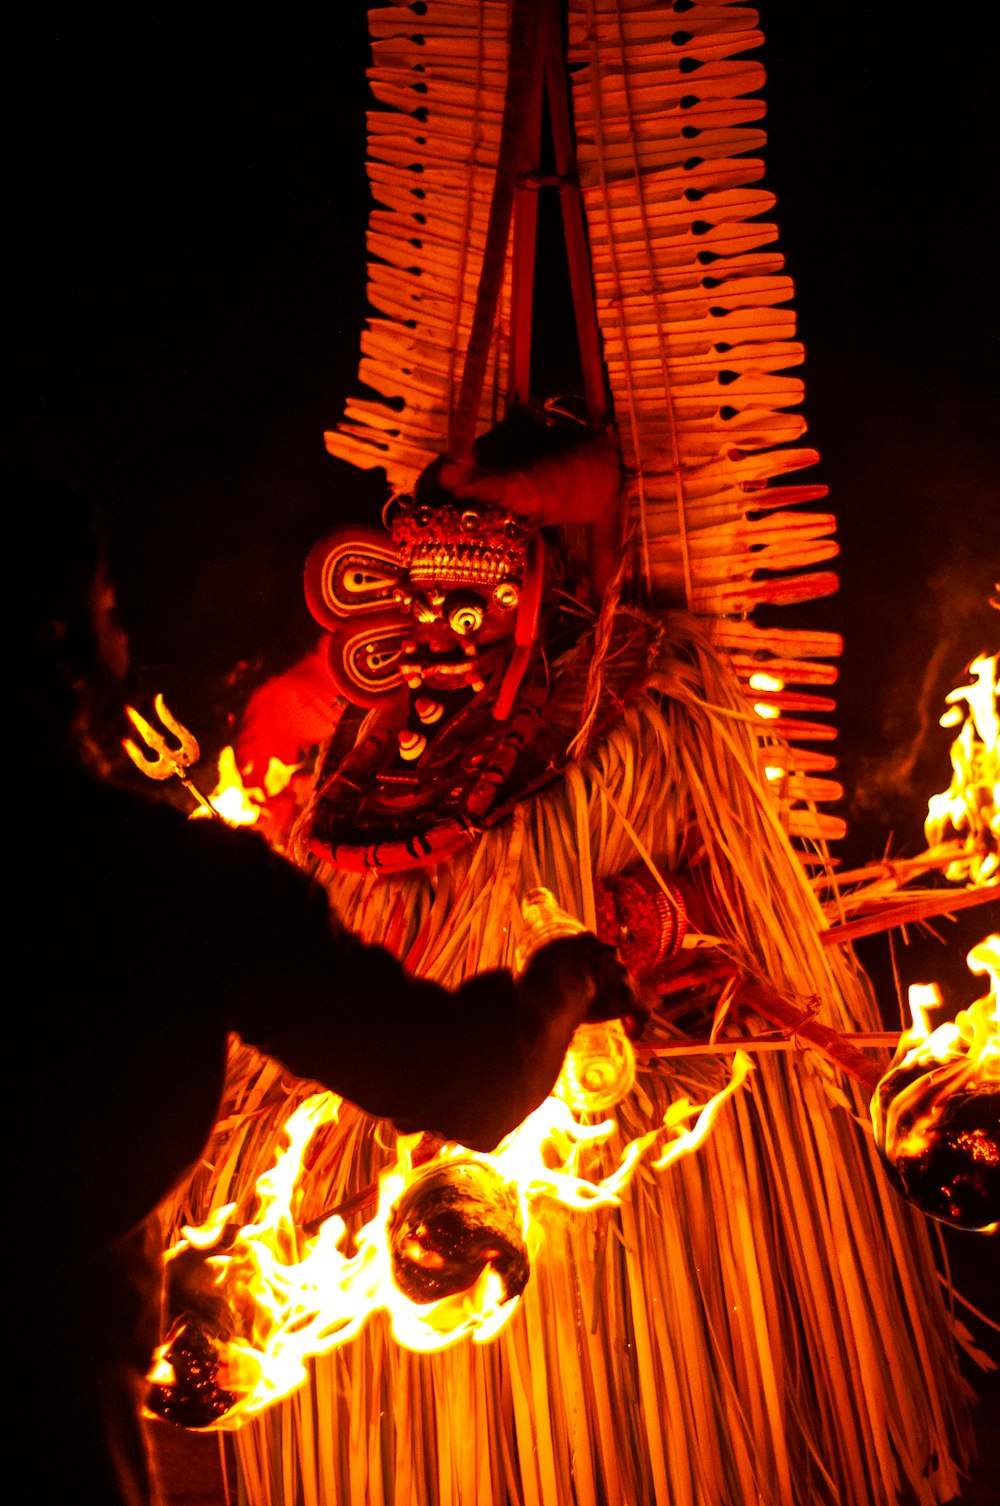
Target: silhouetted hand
point(566, 983)
point(583, 977)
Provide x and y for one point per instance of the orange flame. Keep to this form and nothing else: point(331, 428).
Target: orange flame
point(289, 1295)
point(240, 804)
point(278, 776)
point(972, 1038)
point(230, 799)
point(970, 807)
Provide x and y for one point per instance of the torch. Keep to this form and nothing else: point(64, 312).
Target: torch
point(936, 1112)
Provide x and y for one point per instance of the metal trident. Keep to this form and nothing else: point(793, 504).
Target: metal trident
point(166, 762)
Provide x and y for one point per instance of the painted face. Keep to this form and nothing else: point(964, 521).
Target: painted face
point(464, 570)
point(452, 626)
point(432, 627)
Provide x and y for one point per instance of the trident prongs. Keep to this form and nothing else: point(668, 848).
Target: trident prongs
point(167, 762)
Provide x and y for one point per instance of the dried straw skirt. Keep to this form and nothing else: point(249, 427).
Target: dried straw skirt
point(761, 1322)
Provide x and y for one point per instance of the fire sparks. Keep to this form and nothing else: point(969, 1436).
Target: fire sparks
point(249, 1305)
point(970, 807)
point(936, 1112)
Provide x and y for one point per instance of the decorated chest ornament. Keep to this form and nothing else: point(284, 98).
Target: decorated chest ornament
point(446, 627)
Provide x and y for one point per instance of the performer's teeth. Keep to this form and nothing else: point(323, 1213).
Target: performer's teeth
point(428, 711)
point(411, 744)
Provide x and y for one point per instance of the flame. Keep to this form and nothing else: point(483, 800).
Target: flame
point(922, 998)
point(231, 799)
point(943, 1159)
point(288, 1295)
point(240, 804)
point(291, 1296)
point(278, 776)
point(970, 807)
point(973, 1037)
point(251, 1305)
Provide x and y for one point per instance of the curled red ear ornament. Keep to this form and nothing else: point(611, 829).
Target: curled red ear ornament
point(351, 573)
point(365, 658)
point(351, 580)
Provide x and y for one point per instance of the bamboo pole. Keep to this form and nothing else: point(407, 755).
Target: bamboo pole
point(915, 910)
point(799, 1022)
point(893, 871)
point(522, 66)
point(868, 1040)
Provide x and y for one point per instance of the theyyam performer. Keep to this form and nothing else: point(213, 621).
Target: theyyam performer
point(544, 675)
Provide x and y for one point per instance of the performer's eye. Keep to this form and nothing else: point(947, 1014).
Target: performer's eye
point(465, 617)
point(506, 595)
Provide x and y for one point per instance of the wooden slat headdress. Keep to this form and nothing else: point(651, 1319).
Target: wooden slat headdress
point(691, 301)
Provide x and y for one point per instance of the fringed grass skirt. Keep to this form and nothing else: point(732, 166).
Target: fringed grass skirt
point(760, 1322)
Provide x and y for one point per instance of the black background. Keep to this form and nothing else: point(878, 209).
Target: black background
point(189, 205)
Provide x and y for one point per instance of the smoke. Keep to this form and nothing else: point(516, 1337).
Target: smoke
point(905, 760)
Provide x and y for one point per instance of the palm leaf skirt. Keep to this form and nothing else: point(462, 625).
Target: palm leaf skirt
point(762, 1321)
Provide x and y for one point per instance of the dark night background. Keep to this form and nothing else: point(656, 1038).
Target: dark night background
point(189, 205)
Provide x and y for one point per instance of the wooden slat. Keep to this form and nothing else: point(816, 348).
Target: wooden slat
point(667, 136)
point(432, 157)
